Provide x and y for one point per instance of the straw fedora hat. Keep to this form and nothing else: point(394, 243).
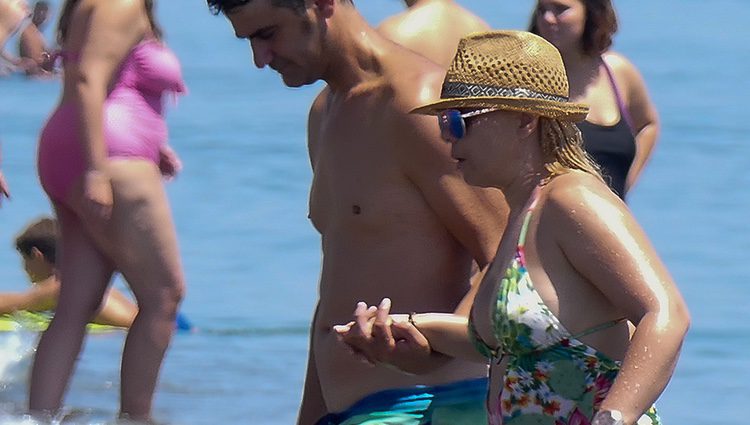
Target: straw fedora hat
point(507, 70)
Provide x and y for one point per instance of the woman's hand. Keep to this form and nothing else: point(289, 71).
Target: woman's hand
point(97, 194)
point(4, 190)
point(169, 162)
point(376, 336)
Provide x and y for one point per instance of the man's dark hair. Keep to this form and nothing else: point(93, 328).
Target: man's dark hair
point(42, 235)
point(228, 6)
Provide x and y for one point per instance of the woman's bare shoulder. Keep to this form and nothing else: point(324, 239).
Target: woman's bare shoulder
point(578, 194)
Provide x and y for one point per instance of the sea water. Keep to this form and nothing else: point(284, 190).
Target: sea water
point(252, 258)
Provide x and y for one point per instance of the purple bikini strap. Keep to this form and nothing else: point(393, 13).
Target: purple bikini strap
point(620, 104)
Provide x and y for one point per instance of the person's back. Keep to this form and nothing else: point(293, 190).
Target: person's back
point(432, 28)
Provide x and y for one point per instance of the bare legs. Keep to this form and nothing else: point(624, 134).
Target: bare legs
point(150, 264)
point(84, 275)
point(140, 241)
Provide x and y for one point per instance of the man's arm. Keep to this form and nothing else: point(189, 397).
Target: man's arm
point(643, 113)
point(313, 405)
point(476, 217)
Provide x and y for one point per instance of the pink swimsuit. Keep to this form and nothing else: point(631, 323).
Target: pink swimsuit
point(134, 126)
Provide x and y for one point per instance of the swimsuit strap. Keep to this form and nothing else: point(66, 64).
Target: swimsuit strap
point(521, 252)
point(598, 328)
point(618, 98)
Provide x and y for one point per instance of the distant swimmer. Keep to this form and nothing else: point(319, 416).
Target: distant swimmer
point(432, 28)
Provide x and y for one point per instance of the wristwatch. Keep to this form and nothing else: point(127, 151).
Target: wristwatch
point(608, 417)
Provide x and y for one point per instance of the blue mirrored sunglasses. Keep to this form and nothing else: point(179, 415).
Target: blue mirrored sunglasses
point(453, 122)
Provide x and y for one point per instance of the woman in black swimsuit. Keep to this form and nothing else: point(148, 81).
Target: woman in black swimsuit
point(622, 127)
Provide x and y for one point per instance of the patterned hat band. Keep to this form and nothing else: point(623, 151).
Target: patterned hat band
point(453, 90)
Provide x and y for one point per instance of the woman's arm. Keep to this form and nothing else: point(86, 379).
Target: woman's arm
point(643, 113)
point(99, 39)
point(603, 242)
point(415, 343)
point(447, 334)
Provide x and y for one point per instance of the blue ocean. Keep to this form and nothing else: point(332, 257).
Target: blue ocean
point(252, 258)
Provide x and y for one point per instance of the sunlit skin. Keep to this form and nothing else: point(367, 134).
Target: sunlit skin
point(562, 23)
point(432, 28)
point(588, 258)
point(393, 212)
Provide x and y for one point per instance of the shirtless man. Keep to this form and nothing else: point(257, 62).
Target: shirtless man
point(432, 28)
point(392, 209)
point(31, 44)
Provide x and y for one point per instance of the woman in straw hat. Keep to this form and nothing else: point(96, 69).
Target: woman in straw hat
point(622, 127)
point(573, 268)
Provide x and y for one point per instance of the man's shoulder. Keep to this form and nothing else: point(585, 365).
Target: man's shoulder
point(415, 82)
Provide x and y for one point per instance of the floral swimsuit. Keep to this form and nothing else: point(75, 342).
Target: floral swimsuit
point(552, 378)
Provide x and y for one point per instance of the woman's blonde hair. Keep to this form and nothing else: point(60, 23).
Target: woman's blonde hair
point(562, 146)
